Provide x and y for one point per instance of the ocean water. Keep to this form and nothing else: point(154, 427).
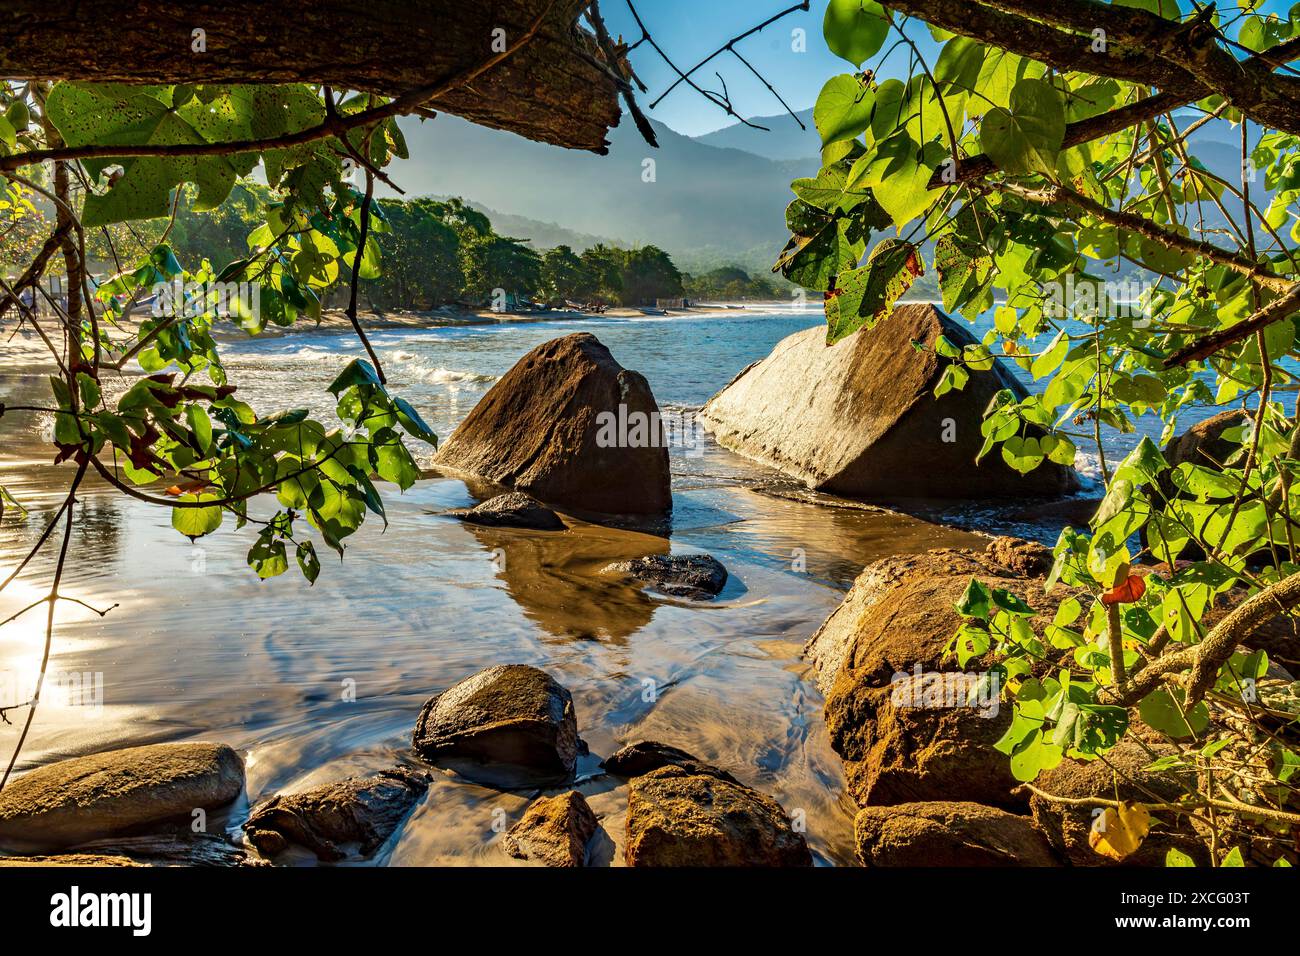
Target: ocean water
point(314, 683)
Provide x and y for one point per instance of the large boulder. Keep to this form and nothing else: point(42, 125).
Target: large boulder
point(898, 707)
point(85, 798)
point(1124, 773)
point(554, 831)
point(360, 811)
point(945, 833)
point(513, 721)
point(545, 428)
point(859, 418)
point(679, 818)
point(926, 736)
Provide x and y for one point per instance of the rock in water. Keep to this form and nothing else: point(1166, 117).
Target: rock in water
point(948, 834)
point(679, 818)
point(86, 798)
point(699, 576)
point(553, 832)
point(360, 810)
point(571, 426)
point(513, 510)
point(513, 716)
point(859, 418)
point(638, 759)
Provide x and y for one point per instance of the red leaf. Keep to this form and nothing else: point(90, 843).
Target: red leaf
point(1126, 592)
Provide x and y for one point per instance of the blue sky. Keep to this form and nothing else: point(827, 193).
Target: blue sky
point(689, 30)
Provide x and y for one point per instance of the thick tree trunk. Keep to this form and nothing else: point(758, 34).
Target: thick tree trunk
point(546, 91)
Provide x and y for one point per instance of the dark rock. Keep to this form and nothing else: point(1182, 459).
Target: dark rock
point(638, 759)
point(539, 429)
point(513, 510)
point(360, 810)
point(859, 418)
point(514, 716)
point(87, 798)
point(553, 831)
point(943, 833)
point(176, 847)
point(680, 575)
point(677, 818)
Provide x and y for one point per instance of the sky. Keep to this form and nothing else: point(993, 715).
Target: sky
point(689, 30)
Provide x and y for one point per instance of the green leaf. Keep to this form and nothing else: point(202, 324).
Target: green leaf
point(866, 295)
point(196, 522)
point(1027, 138)
point(308, 563)
point(1022, 454)
point(1161, 709)
point(976, 601)
point(855, 30)
point(843, 108)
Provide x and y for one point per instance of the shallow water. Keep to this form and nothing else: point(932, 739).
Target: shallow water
point(314, 683)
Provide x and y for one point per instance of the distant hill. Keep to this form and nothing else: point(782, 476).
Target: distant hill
point(783, 140)
point(706, 205)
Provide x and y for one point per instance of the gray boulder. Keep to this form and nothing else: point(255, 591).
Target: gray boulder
point(859, 418)
point(698, 576)
point(513, 510)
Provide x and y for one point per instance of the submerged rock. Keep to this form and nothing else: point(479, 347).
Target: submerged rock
point(513, 510)
point(554, 831)
point(570, 425)
point(698, 576)
point(511, 720)
point(945, 833)
point(639, 758)
point(360, 810)
point(86, 798)
point(679, 818)
point(859, 418)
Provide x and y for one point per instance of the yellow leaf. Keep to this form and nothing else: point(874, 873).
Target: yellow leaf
point(1118, 832)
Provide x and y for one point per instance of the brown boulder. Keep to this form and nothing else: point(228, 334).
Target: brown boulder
point(948, 834)
point(1067, 827)
point(539, 429)
point(917, 740)
point(515, 722)
point(859, 418)
point(85, 798)
point(79, 860)
point(553, 831)
point(360, 810)
point(676, 818)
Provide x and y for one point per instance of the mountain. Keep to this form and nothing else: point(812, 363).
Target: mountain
point(704, 204)
point(783, 140)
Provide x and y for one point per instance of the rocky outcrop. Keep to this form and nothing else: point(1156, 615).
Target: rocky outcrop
point(679, 818)
point(859, 418)
point(79, 860)
point(360, 811)
point(918, 739)
point(1123, 772)
point(698, 576)
point(571, 426)
point(909, 723)
point(639, 758)
point(513, 510)
point(86, 798)
point(177, 845)
point(512, 721)
point(554, 831)
point(944, 833)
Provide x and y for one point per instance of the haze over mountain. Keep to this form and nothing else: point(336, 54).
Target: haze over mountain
point(706, 205)
point(783, 140)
